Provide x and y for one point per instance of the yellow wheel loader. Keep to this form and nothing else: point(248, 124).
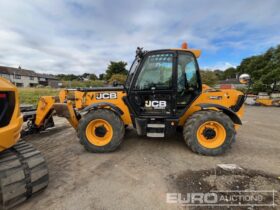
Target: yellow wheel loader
point(163, 92)
point(23, 170)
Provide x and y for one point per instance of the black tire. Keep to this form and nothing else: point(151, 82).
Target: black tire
point(113, 119)
point(193, 123)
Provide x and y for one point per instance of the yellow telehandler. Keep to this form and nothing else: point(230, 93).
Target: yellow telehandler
point(163, 91)
point(23, 170)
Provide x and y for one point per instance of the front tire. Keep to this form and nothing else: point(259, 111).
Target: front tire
point(100, 131)
point(209, 132)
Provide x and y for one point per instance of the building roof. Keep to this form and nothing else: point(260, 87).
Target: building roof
point(17, 71)
point(24, 72)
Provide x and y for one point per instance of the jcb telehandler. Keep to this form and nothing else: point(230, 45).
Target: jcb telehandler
point(163, 91)
point(23, 170)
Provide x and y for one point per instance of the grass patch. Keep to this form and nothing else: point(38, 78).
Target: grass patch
point(32, 95)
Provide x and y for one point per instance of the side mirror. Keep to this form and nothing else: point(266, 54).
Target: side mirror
point(244, 78)
point(115, 83)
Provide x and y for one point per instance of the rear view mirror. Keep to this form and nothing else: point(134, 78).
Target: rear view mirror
point(244, 78)
point(115, 83)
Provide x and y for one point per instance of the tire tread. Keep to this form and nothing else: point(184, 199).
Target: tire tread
point(14, 180)
point(189, 132)
point(113, 119)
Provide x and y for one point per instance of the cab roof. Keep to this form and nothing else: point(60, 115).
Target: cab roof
point(196, 52)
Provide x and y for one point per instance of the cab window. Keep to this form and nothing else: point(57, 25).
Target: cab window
point(186, 72)
point(156, 72)
point(131, 73)
point(187, 81)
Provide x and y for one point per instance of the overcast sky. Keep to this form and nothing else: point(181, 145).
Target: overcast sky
point(71, 36)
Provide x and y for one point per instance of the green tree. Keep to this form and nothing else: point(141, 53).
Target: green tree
point(264, 70)
point(93, 77)
point(89, 76)
point(208, 77)
point(220, 74)
point(230, 73)
point(116, 68)
point(101, 76)
point(85, 75)
point(67, 77)
point(121, 78)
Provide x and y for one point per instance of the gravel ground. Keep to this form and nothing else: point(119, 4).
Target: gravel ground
point(140, 173)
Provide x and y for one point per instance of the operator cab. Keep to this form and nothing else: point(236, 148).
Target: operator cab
point(162, 84)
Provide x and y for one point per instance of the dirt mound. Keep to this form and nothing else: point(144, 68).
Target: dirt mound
point(226, 189)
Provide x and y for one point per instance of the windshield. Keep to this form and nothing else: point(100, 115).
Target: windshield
point(131, 72)
point(156, 72)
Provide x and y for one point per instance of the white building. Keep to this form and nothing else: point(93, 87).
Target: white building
point(27, 78)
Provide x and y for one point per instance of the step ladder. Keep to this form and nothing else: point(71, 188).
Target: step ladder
point(156, 128)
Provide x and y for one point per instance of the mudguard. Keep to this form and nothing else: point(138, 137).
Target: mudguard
point(116, 109)
point(233, 116)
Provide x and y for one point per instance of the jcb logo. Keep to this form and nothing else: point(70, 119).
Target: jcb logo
point(110, 95)
point(156, 104)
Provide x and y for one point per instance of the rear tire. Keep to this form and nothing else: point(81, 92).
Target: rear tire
point(224, 132)
point(114, 131)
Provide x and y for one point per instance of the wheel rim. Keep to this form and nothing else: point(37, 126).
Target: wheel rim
point(211, 134)
point(99, 132)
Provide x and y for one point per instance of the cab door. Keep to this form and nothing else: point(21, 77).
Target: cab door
point(153, 90)
point(188, 81)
